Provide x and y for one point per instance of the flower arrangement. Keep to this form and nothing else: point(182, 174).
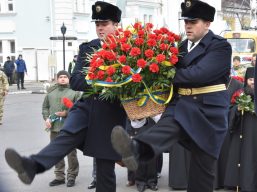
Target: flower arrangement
point(135, 63)
point(243, 101)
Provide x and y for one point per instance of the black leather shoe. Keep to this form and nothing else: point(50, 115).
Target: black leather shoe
point(141, 187)
point(25, 167)
point(153, 186)
point(70, 183)
point(123, 145)
point(92, 185)
point(56, 182)
point(23, 88)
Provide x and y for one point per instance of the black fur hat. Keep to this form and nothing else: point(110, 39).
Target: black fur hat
point(103, 11)
point(193, 9)
point(249, 74)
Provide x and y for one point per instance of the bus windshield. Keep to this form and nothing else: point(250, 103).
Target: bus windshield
point(242, 45)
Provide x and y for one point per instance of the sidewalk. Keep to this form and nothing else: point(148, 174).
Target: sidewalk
point(32, 87)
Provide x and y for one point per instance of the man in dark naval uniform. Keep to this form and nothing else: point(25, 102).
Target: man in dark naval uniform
point(89, 123)
point(197, 115)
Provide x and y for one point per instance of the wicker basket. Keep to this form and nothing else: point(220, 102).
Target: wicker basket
point(136, 112)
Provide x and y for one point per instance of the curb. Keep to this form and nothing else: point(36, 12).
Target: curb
point(27, 92)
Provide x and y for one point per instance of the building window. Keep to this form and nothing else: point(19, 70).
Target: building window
point(145, 19)
point(6, 6)
point(12, 46)
point(81, 6)
point(1, 53)
point(10, 7)
point(150, 19)
point(1, 47)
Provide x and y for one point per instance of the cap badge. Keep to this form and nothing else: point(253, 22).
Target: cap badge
point(98, 8)
point(188, 4)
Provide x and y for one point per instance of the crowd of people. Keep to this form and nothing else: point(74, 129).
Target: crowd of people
point(210, 138)
point(15, 71)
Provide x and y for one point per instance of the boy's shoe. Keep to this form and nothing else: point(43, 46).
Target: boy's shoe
point(56, 182)
point(70, 183)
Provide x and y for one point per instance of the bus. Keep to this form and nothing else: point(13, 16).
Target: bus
point(244, 45)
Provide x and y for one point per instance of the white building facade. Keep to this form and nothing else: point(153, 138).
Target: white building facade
point(27, 25)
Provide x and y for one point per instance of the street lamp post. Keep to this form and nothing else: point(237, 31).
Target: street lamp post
point(63, 30)
point(63, 38)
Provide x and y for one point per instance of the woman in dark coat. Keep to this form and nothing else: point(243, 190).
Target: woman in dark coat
point(241, 171)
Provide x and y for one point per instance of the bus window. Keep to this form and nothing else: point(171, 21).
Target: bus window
point(242, 45)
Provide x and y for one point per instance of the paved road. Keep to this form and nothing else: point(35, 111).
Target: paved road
point(23, 130)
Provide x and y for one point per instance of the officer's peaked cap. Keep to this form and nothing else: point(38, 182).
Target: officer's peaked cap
point(103, 11)
point(193, 9)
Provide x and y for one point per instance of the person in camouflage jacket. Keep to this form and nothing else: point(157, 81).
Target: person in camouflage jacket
point(4, 86)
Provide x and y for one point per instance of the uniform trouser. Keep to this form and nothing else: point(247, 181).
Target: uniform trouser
point(9, 77)
point(1, 107)
point(73, 164)
point(20, 79)
point(62, 145)
point(146, 172)
point(162, 136)
point(94, 169)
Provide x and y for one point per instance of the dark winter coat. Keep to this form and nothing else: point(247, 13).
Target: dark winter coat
point(9, 67)
point(96, 115)
point(204, 117)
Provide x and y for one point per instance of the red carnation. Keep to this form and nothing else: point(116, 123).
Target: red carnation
point(139, 41)
point(123, 40)
point(236, 95)
point(152, 36)
point(125, 47)
point(126, 70)
point(141, 63)
point(67, 102)
point(151, 42)
point(110, 71)
point(140, 33)
point(122, 59)
point(100, 74)
point(164, 46)
point(136, 78)
point(113, 46)
point(149, 53)
point(92, 76)
point(135, 51)
point(174, 50)
point(174, 59)
point(137, 26)
point(148, 26)
point(105, 46)
point(127, 33)
point(154, 68)
point(108, 79)
point(160, 58)
point(164, 30)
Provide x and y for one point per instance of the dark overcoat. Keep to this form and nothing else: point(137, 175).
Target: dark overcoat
point(97, 116)
point(204, 117)
point(255, 89)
